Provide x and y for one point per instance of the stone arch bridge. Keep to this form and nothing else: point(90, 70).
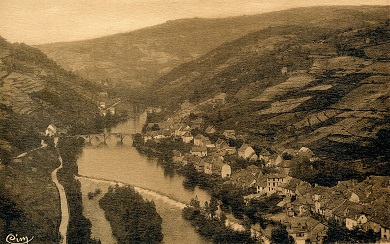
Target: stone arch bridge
point(102, 137)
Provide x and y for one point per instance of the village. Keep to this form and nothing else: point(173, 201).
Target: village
point(306, 210)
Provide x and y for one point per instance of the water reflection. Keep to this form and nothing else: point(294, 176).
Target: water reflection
point(155, 179)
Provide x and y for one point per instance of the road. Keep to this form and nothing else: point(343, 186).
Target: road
point(63, 229)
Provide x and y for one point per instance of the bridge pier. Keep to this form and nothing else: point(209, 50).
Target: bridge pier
point(105, 136)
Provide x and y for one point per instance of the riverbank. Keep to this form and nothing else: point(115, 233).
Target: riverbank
point(79, 229)
point(143, 191)
point(101, 228)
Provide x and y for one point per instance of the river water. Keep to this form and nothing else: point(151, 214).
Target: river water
point(123, 163)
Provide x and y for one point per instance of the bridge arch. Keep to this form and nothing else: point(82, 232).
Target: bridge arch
point(95, 138)
point(121, 137)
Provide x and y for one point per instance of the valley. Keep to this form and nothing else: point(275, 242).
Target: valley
point(274, 120)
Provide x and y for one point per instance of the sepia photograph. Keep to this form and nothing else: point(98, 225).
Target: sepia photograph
point(194, 121)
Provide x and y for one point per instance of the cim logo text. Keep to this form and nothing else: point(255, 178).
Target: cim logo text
point(15, 239)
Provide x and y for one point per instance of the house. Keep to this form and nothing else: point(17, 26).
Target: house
point(197, 162)
point(200, 151)
point(216, 165)
point(245, 151)
point(217, 169)
point(111, 110)
point(177, 157)
point(226, 171)
point(301, 206)
point(278, 160)
point(318, 232)
point(43, 143)
point(102, 111)
point(230, 150)
point(180, 129)
point(284, 70)
point(303, 188)
point(220, 98)
point(20, 158)
point(332, 205)
point(199, 140)
point(306, 152)
point(303, 229)
point(187, 137)
point(261, 184)
point(285, 166)
point(274, 181)
point(265, 156)
point(102, 104)
point(351, 214)
point(221, 144)
point(355, 217)
point(51, 130)
point(197, 123)
point(385, 232)
point(380, 213)
point(253, 158)
point(210, 129)
point(244, 179)
point(289, 188)
point(298, 230)
point(321, 196)
point(210, 146)
point(231, 134)
point(253, 169)
point(371, 225)
point(208, 167)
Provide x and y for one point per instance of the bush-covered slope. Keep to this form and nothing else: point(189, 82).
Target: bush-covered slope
point(295, 85)
point(35, 92)
point(140, 57)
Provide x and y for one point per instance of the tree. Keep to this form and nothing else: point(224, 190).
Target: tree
point(207, 207)
point(195, 203)
point(133, 220)
point(213, 205)
point(279, 235)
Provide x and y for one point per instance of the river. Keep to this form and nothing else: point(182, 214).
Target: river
point(123, 163)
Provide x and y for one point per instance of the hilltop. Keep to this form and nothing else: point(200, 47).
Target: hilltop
point(295, 85)
point(138, 58)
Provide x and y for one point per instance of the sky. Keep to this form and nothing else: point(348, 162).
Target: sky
point(45, 21)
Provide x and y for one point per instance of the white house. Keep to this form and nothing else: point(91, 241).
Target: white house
point(199, 140)
point(51, 130)
point(245, 151)
point(284, 70)
point(304, 151)
point(226, 171)
point(187, 137)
